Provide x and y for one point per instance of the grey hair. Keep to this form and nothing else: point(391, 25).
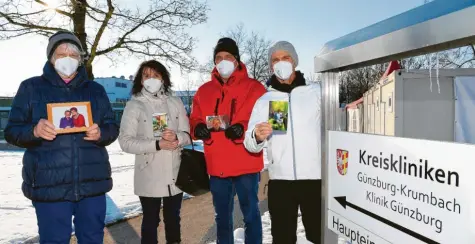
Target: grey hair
point(72, 47)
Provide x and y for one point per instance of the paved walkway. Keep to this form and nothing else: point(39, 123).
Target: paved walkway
point(197, 220)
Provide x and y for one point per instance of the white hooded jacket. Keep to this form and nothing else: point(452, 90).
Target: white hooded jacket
point(295, 154)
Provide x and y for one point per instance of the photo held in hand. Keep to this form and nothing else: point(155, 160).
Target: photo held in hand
point(278, 115)
point(70, 117)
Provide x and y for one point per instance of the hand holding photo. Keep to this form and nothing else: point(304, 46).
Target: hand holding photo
point(70, 117)
point(169, 135)
point(278, 115)
point(159, 123)
point(93, 133)
point(217, 123)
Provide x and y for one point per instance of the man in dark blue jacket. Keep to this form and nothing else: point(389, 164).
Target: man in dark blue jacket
point(64, 175)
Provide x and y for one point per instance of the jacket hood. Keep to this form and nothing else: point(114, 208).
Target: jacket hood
point(238, 75)
point(52, 76)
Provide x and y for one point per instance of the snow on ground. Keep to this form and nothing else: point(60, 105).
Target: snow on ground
point(17, 215)
point(239, 233)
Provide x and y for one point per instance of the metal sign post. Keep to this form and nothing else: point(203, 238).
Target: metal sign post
point(435, 26)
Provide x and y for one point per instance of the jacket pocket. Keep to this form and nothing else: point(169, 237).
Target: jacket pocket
point(144, 160)
point(32, 160)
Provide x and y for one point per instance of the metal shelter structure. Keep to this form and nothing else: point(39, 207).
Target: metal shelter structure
point(435, 26)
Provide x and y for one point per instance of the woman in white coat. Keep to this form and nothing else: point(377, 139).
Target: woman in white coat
point(157, 149)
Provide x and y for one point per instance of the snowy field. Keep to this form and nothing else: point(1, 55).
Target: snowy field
point(17, 215)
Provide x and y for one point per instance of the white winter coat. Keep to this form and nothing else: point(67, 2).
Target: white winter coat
point(155, 171)
point(294, 155)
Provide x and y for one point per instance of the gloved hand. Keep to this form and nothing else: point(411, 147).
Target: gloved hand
point(234, 132)
point(202, 132)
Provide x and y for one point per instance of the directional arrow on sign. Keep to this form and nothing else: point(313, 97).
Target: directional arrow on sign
point(345, 203)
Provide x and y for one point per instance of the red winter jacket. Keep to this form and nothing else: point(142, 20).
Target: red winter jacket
point(235, 98)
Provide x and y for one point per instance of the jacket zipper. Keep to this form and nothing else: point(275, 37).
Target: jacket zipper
point(233, 107)
point(76, 167)
point(216, 107)
point(76, 170)
point(292, 134)
point(169, 191)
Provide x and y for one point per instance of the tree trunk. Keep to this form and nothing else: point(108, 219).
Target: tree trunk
point(90, 74)
point(79, 21)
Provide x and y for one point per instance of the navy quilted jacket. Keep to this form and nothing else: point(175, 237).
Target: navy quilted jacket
point(67, 168)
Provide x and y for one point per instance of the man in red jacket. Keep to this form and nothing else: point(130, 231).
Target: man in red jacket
point(233, 170)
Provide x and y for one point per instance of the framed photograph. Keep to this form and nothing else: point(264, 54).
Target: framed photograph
point(217, 123)
point(159, 122)
point(70, 117)
point(278, 115)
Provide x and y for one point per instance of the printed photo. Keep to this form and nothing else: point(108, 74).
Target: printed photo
point(217, 123)
point(159, 122)
point(70, 117)
point(278, 115)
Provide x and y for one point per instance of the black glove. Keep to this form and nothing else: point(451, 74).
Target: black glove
point(234, 132)
point(202, 132)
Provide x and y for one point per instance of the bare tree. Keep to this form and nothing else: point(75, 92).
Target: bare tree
point(187, 91)
point(463, 57)
point(354, 83)
point(253, 47)
point(314, 77)
point(106, 29)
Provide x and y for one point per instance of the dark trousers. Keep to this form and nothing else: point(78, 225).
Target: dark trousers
point(54, 220)
point(223, 191)
point(285, 198)
point(151, 218)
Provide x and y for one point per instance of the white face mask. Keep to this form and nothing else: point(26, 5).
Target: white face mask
point(152, 85)
point(67, 66)
point(283, 70)
point(225, 68)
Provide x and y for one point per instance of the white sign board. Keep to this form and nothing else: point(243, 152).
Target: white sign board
point(398, 190)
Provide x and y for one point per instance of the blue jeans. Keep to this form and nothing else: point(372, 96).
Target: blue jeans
point(54, 220)
point(223, 191)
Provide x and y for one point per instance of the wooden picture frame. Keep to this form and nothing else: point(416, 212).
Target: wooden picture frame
point(56, 111)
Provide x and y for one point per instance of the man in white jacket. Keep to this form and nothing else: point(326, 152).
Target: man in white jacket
point(293, 149)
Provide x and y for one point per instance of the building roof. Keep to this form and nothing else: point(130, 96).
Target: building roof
point(435, 26)
point(354, 104)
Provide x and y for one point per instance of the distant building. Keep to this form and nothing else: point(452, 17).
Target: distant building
point(187, 99)
point(118, 89)
point(5, 104)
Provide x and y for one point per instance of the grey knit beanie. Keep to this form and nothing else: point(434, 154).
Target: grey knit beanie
point(59, 38)
point(284, 46)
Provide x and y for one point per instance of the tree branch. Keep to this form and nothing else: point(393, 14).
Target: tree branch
point(93, 17)
point(28, 25)
point(55, 9)
point(101, 30)
point(466, 62)
point(121, 40)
